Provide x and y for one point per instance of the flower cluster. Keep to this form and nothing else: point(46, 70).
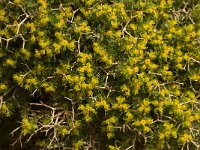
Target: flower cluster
point(92, 74)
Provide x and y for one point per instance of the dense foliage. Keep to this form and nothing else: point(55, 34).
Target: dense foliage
point(97, 74)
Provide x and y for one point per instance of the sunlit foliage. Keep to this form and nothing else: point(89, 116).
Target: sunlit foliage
point(95, 74)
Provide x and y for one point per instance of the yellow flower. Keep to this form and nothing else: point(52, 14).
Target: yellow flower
point(31, 26)
point(185, 138)
point(58, 35)
point(60, 24)
point(44, 20)
point(161, 136)
point(120, 99)
point(179, 59)
point(190, 28)
point(40, 33)
point(37, 54)
point(153, 66)
point(109, 33)
point(169, 36)
point(71, 46)
point(187, 38)
point(89, 69)
point(118, 34)
point(10, 62)
point(42, 52)
point(137, 52)
point(179, 66)
point(147, 61)
point(129, 70)
point(113, 16)
point(129, 116)
point(94, 80)
point(135, 69)
point(143, 122)
point(114, 24)
point(146, 129)
point(32, 39)
point(193, 34)
point(57, 48)
point(172, 30)
point(172, 23)
point(179, 32)
point(174, 133)
point(146, 26)
point(81, 69)
point(64, 43)
point(125, 89)
point(68, 12)
point(3, 87)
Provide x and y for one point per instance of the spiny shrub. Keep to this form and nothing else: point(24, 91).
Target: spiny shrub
point(97, 74)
